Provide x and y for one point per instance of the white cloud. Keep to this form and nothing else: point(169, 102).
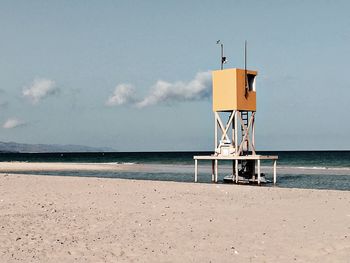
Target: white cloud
point(163, 92)
point(123, 94)
point(13, 123)
point(39, 89)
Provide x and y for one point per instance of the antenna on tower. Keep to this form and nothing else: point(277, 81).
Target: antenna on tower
point(245, 70)
point(223, 59)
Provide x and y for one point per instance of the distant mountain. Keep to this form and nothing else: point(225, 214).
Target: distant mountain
point(41, 148)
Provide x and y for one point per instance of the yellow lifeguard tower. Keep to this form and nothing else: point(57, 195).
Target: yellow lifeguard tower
point(234, 92)
point(234, 100)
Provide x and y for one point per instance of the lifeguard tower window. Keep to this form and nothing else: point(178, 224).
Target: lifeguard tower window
point(251, 82)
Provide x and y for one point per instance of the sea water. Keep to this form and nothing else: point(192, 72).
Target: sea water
point(297, 169)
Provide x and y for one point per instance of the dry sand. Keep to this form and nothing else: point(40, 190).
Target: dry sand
point(71, 219)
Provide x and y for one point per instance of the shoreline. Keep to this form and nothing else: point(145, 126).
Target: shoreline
point(71, 166)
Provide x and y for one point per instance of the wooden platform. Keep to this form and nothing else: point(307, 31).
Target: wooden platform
point(215, 160)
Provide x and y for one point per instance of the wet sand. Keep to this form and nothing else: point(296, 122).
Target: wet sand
point(74, 219)
point(204, 168)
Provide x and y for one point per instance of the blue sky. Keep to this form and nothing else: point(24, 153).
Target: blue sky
point(133, 75)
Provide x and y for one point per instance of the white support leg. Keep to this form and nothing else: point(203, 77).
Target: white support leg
point(212, 171)
point(195, 171)
point(259, 175)
point(233, 170)
point(274, 171)
point(216, 171)
point(236, 170)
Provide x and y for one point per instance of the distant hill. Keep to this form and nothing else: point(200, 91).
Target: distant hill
point(41, 148)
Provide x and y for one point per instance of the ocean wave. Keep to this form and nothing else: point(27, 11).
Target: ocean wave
point(316, 168)
point(120, 163)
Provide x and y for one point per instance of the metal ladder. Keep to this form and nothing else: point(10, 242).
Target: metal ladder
point(245, 119)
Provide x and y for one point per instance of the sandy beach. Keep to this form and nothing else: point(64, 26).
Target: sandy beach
point(72, 219)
